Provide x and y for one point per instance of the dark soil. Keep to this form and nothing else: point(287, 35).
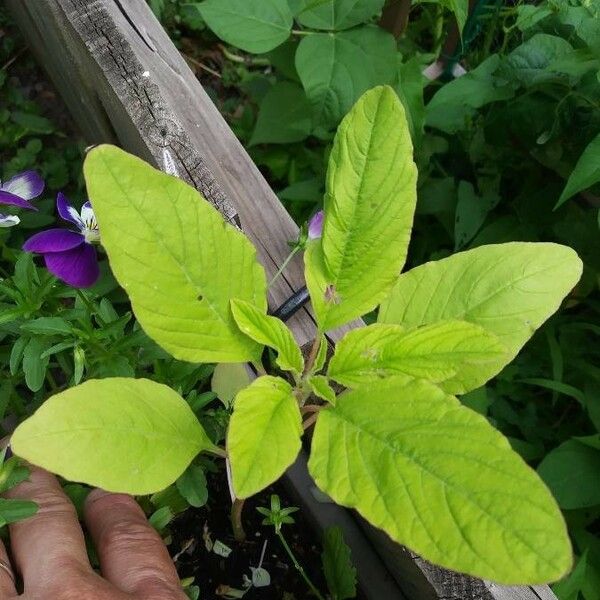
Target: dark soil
point(215, 574)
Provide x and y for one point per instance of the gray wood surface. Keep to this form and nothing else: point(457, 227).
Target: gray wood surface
point(125, 82)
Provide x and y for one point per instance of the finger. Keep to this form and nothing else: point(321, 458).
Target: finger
point(48, 546)
point(132, 555)
point(7, 583)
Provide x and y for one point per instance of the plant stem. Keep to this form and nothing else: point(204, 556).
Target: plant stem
point(285, 263)
point(258, 367)
point(310, 421)
point(236, 520)
point(298, 566)
point(244, 60)
point(312, 355)
point(301, 32)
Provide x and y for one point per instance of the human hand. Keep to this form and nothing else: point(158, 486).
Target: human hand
point(48, 549)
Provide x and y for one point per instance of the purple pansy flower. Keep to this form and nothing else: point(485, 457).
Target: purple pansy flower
point(315, 226)
point(70, 255)
point(17, 191)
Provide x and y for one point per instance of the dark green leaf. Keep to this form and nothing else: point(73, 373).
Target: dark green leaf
point(337, 565)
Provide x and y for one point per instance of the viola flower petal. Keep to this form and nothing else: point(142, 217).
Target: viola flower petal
point(77, 267)
point(9, 221)
point(13, 200)
point(315, 225)
point(53, 240)
point(67, 212)
point(27, 185)
point(88, 216)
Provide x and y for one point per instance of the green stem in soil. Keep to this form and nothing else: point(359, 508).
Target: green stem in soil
point(285, 263)
point(236, 520)
point(298, 566)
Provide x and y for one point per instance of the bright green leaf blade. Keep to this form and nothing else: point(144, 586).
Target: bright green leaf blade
point(438, 478)
point(270, 331)
point(571, 472)
point(457, 355)
point(264, 435)
point(332, 69)
point(508, 289)
point(176, 258)
point(47, 326)
point(369, 208)
point(123, 435)
point(321, 388)
point(285, 116)
point(337, 565)
point(586, 172)
point(252, 25)
point(337, 14)
point(228, 379)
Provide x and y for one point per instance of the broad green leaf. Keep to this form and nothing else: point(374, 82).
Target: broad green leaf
point(471, 212)
point(369, 207)
point(48, 326)
point(252, 25)
point(438, 478)
point(508, 289)
point(332, 69)
point(178, 261)
point(529, 62)
point(571, 472)
point(285, 116)
point(12, 511)
point(264, 434)
point(409, 88)
point(228, 379)
point(34, 366)
point(337, 14)
point(321, 388)
point(586, 172)
point(457, 355)
point(456, 102)
point(123, 435)
point(337, 565)
point(270, 331)
point(528, 15)
point(192, 486)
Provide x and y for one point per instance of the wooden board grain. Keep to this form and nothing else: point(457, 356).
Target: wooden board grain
point(124, 81)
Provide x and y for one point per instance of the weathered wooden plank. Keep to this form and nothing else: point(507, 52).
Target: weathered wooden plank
point(124, 81)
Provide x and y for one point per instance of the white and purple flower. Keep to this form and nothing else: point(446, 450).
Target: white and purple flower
point(70, 255)
point(315, 225)
point(18, 191)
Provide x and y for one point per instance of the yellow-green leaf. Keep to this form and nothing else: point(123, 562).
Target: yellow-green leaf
point(508, 289)
point(123, 435)
point(264, 434)
point(319, 384)
point(457, 355)
point(270, 331)
point(228, 379)
point(178, 261)
point(369, 208)
point(438, 478)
